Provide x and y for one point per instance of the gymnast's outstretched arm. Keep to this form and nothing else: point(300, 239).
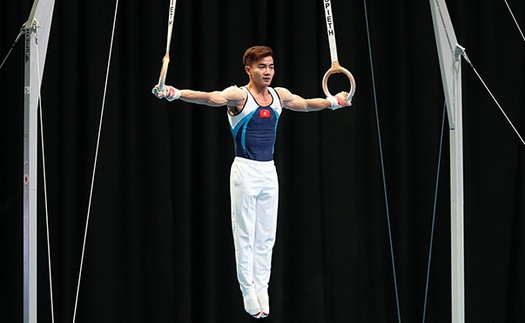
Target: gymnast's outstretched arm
point(297, 103)
point(231, 96)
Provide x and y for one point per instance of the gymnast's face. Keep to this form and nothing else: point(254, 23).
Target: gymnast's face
point(261, 72)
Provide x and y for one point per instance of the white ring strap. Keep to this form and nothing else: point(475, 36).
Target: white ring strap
point(335, 68)
point(166, 59)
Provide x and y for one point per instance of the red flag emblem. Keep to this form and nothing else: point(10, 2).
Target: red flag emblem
point(264, 113)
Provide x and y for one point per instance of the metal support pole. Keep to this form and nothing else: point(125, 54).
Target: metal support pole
point(449, 53)
point(37, 30)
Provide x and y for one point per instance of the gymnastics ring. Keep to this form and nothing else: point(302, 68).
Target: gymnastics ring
point(166, 59)
point(336, 69)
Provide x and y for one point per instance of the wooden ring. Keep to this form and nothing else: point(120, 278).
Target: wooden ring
point(335, 69)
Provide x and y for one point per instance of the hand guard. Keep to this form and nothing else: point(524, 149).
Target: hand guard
point(168, 92)
point(339, 100)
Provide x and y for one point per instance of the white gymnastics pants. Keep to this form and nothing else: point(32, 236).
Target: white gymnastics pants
point(254, 190)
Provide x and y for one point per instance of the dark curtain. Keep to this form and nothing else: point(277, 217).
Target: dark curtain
point(159, 245)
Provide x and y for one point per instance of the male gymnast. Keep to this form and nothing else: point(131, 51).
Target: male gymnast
point(253, 113)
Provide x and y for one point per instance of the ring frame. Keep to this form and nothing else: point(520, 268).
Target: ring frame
point(336, 69)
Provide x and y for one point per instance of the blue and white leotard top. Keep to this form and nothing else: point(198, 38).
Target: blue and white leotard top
point(254, 129)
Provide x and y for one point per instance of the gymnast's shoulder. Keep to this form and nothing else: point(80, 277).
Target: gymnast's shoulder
point(234, 93)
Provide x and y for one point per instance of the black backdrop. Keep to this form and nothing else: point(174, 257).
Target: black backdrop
point(159, 246)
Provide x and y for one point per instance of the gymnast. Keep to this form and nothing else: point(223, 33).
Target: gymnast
point(253, 111)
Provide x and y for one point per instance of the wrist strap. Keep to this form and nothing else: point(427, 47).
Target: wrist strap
point(334, 102)
point(173, 94)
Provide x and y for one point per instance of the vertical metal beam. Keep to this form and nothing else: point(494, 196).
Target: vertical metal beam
point(37, 30)
point(449, 53)
point(457, 204)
